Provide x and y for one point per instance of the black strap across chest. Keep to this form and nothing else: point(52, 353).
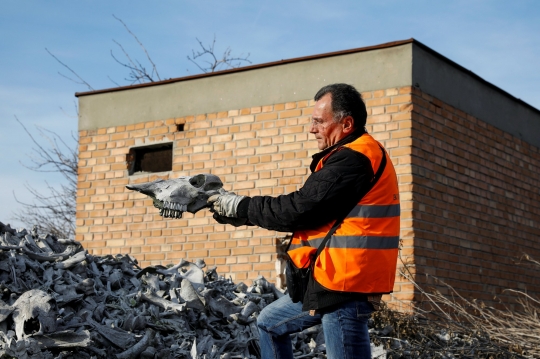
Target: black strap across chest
point(338, 222)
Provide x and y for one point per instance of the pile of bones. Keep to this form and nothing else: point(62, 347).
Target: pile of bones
point(58, 301)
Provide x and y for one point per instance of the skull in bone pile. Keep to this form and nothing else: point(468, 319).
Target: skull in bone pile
point(176, 196)
point(34, 313)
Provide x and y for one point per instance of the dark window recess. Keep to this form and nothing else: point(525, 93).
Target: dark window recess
point(180, 127)
point(155, 158)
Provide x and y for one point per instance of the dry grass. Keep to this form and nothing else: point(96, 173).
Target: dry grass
point(451, 326)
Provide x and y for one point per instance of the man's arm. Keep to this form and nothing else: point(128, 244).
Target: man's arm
point(326, 194)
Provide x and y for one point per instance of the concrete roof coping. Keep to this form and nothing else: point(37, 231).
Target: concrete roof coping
point(248, 68)
point(307, 58)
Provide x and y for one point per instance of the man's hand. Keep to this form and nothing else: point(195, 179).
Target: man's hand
point(225, 204)
point(236, 222)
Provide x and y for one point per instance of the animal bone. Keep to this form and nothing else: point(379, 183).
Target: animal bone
point(173, 197)
point(34, 313)
point(219, 304)
point(68, 293)
point(132, 323)
point(121, 338)
point(163, 303)
point(71, 261)
point(244, 316)
point(43, 257)
point(64, 339)
point(138, 348)
point(190, 296)
point(86, 286)
point(194, 274)
point(249, 309)
point(7, 228)
point(106, 299)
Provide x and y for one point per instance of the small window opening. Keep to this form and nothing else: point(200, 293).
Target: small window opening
point(154, 158)
point(180, 127)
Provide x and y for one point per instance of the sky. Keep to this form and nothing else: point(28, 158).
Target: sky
point(497, 40)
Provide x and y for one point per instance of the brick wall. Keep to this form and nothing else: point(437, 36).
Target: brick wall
point(263, 150)
point(476, 202)
point(469, 192)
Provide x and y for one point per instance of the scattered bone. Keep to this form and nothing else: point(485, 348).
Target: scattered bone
point(163, 303)
point(190, 296)
point(34, 313)
point(63, 339)
point(119, 337)
point(71, 261)
point(138, 348)
point(218, 304)
point(57, 301)
point(192, 273)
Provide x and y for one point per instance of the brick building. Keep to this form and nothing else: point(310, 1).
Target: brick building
point(467, 156)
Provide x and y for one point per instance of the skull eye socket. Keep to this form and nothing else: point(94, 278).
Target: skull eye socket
point(212, 186)
point(206, 182)
point(31, 326)
point(197, 181)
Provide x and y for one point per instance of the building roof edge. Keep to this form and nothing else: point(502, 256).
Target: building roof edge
point(314, 57)
point(248, 68)
point(472, 74)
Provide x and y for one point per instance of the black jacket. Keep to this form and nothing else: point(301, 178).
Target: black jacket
point(326, 195)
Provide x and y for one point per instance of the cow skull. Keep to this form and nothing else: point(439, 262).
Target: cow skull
point(34, 313)
point(176, 196)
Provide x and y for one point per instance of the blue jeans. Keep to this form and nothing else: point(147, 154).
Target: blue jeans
point(345, 329)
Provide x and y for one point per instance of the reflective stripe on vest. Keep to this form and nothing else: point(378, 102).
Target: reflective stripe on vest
point(363, 211)
point(361, 256)
point(364, 242)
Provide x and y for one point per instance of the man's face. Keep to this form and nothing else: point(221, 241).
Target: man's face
point(326, 131)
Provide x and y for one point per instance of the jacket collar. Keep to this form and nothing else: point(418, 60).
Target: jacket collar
point(350, 138)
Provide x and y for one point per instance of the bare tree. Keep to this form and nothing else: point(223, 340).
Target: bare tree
point(52, 211)
point(205, 59)
point(215, 64)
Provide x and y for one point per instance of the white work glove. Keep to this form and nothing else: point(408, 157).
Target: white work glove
point(225, 204)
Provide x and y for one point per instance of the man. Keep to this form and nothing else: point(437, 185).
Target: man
point(358, 263)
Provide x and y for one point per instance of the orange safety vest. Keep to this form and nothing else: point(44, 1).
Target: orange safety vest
point(361, 256)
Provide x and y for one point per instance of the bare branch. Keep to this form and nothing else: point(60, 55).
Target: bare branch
point(114, 82)
point(226, 61)
point(64, 163)
point(76, 110)
point(154, 68)
point(82, 82)
point(52, 210)
point(53, 213)
point(138, 72)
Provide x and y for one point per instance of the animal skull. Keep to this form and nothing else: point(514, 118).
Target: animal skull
point(176, 196)
point(34, 313)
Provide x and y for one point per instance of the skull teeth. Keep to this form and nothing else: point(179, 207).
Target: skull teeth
point(175, 206)
point(172, 210)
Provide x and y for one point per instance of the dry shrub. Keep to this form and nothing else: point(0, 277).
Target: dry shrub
point(451, 326)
